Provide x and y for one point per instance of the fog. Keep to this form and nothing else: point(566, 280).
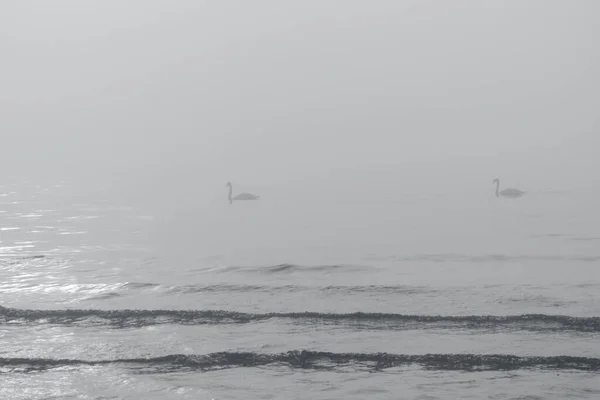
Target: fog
point(162, 98)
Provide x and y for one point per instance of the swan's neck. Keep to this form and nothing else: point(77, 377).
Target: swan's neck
point(230, 192)
point(497, 188)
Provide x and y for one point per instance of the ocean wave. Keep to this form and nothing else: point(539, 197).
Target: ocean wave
point(136, 318)
point(208, 288)
point(97, 291)
point(289, 268)
point(229, 288)
point(314, 360)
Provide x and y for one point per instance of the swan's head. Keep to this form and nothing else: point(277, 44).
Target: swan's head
point(496, 180)
point(228, 184)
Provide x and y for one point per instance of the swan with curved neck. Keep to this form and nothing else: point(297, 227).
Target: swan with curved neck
point(510, 192)
point(241, 196)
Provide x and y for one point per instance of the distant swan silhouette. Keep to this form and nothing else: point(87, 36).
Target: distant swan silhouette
point(241, 196)
point(511, 192)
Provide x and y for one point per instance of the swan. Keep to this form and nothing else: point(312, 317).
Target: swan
point(241, 196)
point(511, 192)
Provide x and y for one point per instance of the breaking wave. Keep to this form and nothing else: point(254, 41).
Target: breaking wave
point(136, 318)
point(314, 360)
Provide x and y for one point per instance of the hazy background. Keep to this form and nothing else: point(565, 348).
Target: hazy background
point(175, 98)
point(372, 130)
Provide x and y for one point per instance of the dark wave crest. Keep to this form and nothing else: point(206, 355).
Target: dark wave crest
point(136, 318)
point(315, 360)
point(213, 288)
point(290, 268)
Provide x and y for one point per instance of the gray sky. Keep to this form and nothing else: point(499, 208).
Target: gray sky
point(419, 94)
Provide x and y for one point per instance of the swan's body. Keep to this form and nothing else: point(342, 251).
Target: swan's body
point(241, 196)
point(510, 192)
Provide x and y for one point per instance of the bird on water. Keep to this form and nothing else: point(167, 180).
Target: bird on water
point(241, 196)
point(510, 192)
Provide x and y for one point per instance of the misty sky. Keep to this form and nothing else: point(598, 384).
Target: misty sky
point(418, 93)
